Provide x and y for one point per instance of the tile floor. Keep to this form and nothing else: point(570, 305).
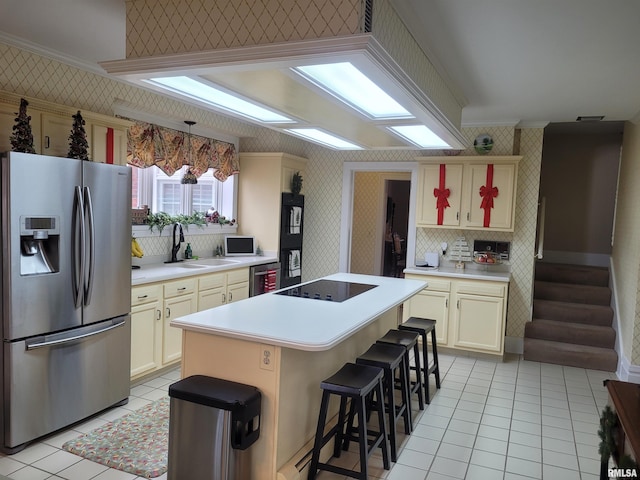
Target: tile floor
point(46, 459)
point(511, 420)
point(514, 420)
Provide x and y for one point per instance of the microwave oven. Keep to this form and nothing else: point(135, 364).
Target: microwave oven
point(239, 245)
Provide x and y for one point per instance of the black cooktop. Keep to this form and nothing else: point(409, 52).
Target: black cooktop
point(330, 290)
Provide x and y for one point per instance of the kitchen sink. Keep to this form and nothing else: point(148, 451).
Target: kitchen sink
point(212, 262)
point(189, 265)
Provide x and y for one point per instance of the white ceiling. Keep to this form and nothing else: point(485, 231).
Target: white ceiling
point(527, 61)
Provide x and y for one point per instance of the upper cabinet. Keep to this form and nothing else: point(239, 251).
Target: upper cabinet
point(474, 193)
point(51, 126)
point(263, 177)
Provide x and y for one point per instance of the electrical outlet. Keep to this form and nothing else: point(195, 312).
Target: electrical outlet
point(267, 357)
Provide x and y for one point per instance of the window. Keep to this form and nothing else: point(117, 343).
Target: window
point(163, 193)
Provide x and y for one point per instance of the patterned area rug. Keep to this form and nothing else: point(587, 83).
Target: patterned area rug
point(137, 443)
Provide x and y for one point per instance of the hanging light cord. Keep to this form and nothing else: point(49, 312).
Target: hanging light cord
point(189, 178)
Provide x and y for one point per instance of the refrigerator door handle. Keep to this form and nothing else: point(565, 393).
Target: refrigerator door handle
point(77, 247)
point(88, 281)
point(60, 338)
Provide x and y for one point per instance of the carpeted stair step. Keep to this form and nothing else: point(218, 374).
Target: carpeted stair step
point(576, 274)
point(578, 333)
point(573, 312)
point(563, 292)
point(570, 354)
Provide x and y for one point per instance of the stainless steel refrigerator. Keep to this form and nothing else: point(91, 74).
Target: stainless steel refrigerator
point(66, 293)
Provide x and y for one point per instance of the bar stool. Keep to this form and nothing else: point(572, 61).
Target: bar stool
point(409, 340)
point(423, 326)
point(356, 382)
point(390, 358)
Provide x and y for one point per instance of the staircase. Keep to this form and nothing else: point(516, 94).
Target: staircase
point(572, 318)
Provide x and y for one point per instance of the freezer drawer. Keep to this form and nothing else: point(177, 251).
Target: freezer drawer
point(56, 380)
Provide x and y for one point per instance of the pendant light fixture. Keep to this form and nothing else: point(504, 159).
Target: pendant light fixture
point(189, 178)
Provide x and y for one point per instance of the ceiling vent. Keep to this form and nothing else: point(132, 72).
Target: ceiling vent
point(266, 62)
point(590, 118)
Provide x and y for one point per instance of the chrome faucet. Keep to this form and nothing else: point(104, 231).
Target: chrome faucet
point(177, 227)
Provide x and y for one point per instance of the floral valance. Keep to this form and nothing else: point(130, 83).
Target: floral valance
point(168, 149)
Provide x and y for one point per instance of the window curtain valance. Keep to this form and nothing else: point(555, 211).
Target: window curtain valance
point(168, 149)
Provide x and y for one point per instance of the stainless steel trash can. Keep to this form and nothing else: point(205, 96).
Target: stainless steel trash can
point(212, 422)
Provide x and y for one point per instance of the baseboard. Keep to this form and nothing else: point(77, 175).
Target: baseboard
point(514, 345)
point(576, 258)
point(628, 372)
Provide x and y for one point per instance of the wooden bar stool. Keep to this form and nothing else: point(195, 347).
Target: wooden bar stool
point(424, 326)
point(390, 358)
point(408, 340)
point(355, 382)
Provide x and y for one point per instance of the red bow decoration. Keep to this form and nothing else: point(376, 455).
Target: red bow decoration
point(441, 194)
point(488, 192)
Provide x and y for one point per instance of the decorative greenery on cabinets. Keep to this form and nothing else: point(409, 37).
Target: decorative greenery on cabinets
point(22, 137)
point(78, 144)
point(296, 183)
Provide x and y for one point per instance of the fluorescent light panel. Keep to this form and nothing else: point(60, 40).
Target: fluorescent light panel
point(420, 135)
point(205, 93)
point(323, 138)
point(350, 85)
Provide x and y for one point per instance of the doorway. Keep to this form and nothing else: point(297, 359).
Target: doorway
point(394, 252)
point(366, 218)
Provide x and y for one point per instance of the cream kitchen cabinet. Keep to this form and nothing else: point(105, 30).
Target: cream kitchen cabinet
point(146, 329)
point(479, 317)
point(51, 125)
point(8, 114)
point(265, 176)
point(470, 314)
point(179, 299)
point(433, 303)
point(219, 288)
point(464, 178)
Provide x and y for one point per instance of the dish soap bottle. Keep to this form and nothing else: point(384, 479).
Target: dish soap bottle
point(187, 252)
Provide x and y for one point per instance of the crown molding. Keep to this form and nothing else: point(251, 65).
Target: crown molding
point(72, 61)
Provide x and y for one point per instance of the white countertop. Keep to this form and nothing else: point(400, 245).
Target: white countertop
point(303, 323)
point(468, 273)
point(171, 271)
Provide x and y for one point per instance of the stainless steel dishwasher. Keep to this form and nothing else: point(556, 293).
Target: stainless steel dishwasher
point(264, 278)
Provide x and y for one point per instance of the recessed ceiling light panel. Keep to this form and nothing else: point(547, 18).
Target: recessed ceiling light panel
point(350, 85)
point(213, 96)
point(319, 136)
point(420, 135)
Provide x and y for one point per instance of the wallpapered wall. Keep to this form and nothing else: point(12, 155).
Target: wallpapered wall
point(32, 75)
point(626, 244)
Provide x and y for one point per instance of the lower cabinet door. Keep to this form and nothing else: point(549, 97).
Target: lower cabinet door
point(478, 323)
point(211, 298)
point(171, 336)
point(146, 332)
point(431, 305)
point(237, 292)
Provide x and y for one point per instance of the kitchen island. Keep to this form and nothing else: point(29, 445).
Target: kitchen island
point(286, 346)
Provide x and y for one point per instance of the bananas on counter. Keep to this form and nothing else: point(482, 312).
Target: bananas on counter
point(136, 251)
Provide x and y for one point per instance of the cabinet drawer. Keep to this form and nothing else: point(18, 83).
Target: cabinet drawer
point(179, 287)
point(237, 276)
point(145, 294)
point(434, 284)
point(208, 282)
point(437, 285)
point(488, 289)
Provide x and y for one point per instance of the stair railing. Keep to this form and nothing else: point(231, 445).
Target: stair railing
point(540, 228)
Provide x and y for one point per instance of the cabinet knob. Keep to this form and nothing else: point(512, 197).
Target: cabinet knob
point(230, 297)
point(158, 314)
point(467, 216)
point(182, 288)
point(168, 312)
point(141, 297)
point(224, 298)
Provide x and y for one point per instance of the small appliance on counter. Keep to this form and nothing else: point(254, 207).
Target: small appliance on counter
point(431, 260)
